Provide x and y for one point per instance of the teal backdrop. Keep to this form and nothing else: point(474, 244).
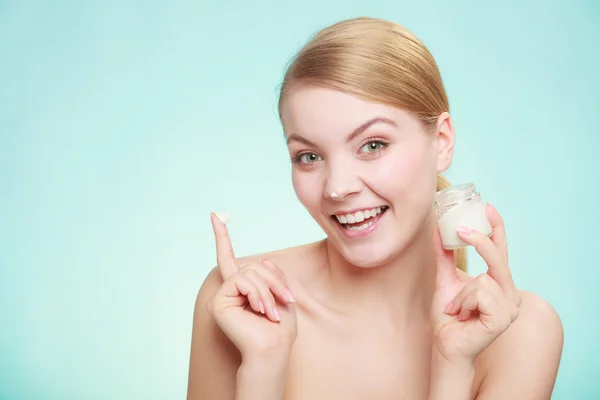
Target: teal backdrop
point(124, 123)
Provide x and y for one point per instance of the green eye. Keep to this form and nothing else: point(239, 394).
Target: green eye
point(308, 158)
point(373, 146)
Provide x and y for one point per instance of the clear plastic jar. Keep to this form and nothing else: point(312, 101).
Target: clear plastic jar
point(460, 205)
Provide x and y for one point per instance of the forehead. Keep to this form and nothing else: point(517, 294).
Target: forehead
point(310, 111)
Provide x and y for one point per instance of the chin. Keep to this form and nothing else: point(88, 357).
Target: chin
point(366, 261)
point(371, 255)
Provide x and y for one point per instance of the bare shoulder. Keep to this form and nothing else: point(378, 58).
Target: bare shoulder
point(538, 329)
point(523, 362)
point(214, 359)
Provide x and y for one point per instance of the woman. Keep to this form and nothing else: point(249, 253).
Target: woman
point(379, 309)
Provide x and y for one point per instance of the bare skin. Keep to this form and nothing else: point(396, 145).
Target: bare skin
point(370, 353)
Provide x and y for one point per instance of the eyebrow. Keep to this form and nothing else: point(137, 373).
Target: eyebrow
point(297, 138)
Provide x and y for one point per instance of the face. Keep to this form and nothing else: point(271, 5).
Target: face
point(366, 172)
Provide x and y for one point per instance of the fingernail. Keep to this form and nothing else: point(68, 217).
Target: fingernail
point(277, 315)
point(267, 262)
point(289, 295)
point(262, 306)
point(464, 230)
point(448, 307)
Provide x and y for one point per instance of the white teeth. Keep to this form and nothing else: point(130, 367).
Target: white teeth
point(358, 216)
point(360, 227)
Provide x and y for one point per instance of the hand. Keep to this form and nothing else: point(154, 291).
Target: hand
point(245, 307)
point(469, 316)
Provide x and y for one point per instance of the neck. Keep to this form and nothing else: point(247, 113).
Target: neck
point(402, 286)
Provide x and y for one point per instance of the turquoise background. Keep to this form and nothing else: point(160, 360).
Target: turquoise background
point(123, 124)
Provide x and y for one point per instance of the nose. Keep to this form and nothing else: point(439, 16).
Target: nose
point(342, 182)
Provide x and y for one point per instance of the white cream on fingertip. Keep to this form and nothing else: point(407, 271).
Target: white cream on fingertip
point(223, 216)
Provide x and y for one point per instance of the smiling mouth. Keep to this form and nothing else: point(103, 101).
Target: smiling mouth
point(360, 220)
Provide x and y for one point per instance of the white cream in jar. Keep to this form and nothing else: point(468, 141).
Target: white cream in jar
point(456, 206)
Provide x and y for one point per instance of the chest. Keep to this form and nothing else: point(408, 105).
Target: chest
point(366, 364)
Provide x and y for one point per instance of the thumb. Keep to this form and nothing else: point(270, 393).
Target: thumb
point(446, 268)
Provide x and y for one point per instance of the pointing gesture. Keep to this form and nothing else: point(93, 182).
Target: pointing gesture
point(225, 255)
point(253, 305)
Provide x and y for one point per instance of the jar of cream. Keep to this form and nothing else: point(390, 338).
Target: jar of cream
point(460, 205)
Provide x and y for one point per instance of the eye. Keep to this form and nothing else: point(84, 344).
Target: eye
point(373, 146)
point(307, 158)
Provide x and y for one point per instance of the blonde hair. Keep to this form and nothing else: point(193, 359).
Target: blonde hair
point(379, 61)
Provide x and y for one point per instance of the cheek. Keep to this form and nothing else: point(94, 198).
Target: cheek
point(307, 189)
point(410, 171)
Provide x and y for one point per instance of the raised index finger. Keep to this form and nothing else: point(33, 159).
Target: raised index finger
point(501, 273)
point(498, 230)
point(225, 255)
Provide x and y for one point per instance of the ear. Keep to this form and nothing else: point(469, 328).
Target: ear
point(444, 138)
